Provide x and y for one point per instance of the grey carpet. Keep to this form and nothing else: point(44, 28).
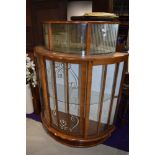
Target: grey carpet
point(38, 142)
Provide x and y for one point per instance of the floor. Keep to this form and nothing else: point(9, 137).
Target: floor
point(38, 142)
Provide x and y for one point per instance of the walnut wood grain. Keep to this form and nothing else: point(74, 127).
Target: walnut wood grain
point(104, 74)
point(88, 95)
point(45, 90)
point(113, 92)
point(85, 133)
point(101, 59)
point(55, 92)
point(82, 94)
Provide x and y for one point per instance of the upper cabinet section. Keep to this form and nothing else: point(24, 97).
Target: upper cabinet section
point(67, 38)
point(83, 38)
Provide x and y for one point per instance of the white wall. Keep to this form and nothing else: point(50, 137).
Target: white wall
point(78, 8)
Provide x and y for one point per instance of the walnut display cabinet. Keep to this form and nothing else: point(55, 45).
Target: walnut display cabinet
point(80, 80)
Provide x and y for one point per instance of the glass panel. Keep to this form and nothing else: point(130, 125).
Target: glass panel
point(45, 32)
point(74, 106)
point(95, 98)
point(60, 85)
point(104, 37)
point(107, 93)
point(73, 71)
point(113, 110)
point(67, 122)
point(97, 83)
point(68, 38)
point(49, 72)
point(40, 88)
point(95, 92)
point(119, 77)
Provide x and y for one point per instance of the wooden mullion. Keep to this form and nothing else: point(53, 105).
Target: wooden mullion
point(88, 39)
point(49, 109)
point(82, 94)
point(55, 91)
point(67, 91)
point(104, 73)
point(45, 89)
point(67, 88)
point(39, 104)
point(88, 96)
point(113, 93)
point(38, 71)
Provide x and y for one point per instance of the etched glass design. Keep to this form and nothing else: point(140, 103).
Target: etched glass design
point(63, 120)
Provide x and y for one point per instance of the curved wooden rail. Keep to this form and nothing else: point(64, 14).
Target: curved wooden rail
point(75, 58)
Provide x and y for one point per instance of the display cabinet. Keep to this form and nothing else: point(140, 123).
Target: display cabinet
point(80, 79)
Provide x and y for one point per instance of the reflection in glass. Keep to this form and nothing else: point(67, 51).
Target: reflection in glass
point(95, 92)
point(103, 38)
point(107, 93)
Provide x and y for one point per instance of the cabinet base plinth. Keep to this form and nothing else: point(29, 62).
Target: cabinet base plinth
point(76, 141)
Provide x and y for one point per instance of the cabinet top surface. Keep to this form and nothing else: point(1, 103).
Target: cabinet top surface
point(81, 22)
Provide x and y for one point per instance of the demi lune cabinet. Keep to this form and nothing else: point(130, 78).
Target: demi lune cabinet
point(80, 79)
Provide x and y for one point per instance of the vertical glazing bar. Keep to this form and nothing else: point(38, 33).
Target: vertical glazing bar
point(121, 86)
point(87, 109)
point(49, 36)
point(82, 93)
point(113, 92)
point(38, 71)
point(88, 39)
point(67, 87)
point(104, 73)
point(55, 92)
point(47, 113)
point(39, 106)
point(67, 92)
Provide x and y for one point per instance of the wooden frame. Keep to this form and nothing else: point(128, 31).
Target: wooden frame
point(88, 132)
